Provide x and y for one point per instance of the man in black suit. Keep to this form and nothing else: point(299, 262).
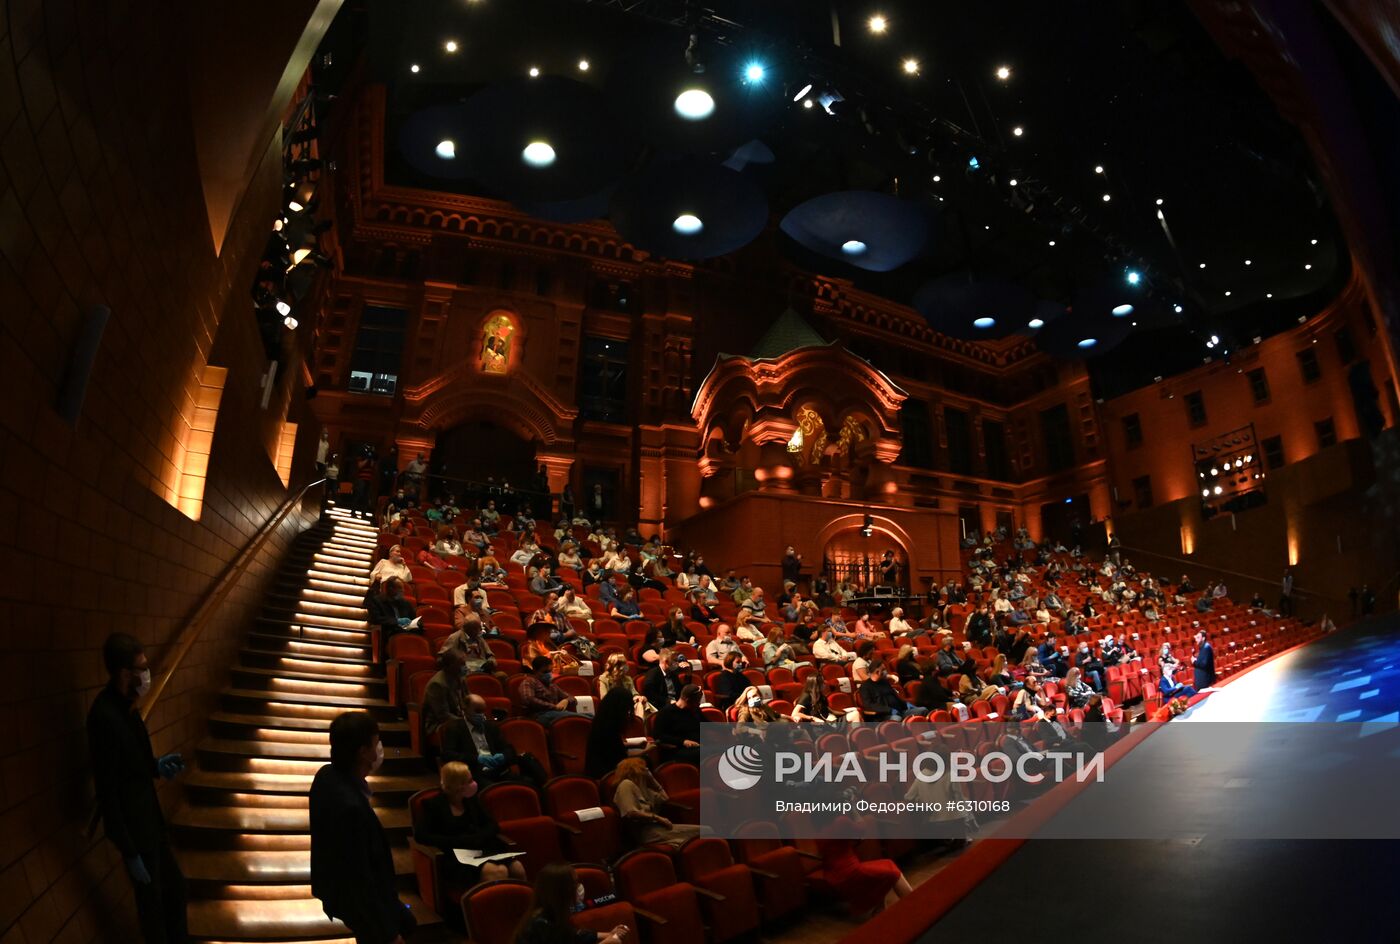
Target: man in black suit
point(1204, 663)
point(663, 682)
point(125, 768)
point(478, 742)
point(677, 728)
point(352, 869)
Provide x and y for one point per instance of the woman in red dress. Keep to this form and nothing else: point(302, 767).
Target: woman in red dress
point(864, 885)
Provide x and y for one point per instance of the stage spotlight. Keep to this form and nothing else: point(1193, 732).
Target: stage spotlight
point(1308, 266)
point(754, 72)
point(1313, 243)
point(450, 45)
point(695, 104)
point(446, 149)
point(534, 72)
point(1177, 309)
point(1107, 197)
point(911, 66)
point(290, 323)
point(1004, 72)
point(687, 224)
point(538, 154)
point(1018, 131)
point(1012, 182)
point(853, 247)
point(878, 24)
point(414, 68)
point(807, 103)
point(583, 65)
point(283, 308)
point(1098, 168)
point(1133, 276)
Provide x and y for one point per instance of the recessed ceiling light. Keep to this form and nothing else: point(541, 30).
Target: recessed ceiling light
point(1036, 323)
point(937, 178)
point(1013, 181)
point(1133, 276)
point(1203, 265)
point(1122, 311)
point(1107, 197)
point(1159, 201)
point(1018, 131)
point(1098, 168)
point(1308, 266)
point(1177, 309)
point(1052, 242)
point(911, 67)
point(687, 224)
point(986, 226)
point(853, 247)
point(583, 65)
point(1003, 72)
point(1227, 293)
point(1314, 242)
point(806, 103)
point(446, 149)
point(414, 68)
point(984, 322)
point(1268, 294)
point(1087, 343)
point(877, 23)
point(538, 154)
point(450, 45)
point(694, 104)
point(534, 72)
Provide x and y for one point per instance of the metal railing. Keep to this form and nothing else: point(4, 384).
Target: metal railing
point(1271, 588)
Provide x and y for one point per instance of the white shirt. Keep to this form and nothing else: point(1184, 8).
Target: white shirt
point(831, 651)
point(899, 626)
point(386, 568)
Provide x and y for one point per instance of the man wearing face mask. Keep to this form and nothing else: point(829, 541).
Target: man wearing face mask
point(352, 869)
point(125, 768)
point(479, 743)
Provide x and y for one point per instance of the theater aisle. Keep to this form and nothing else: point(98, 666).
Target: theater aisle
point(242, 835)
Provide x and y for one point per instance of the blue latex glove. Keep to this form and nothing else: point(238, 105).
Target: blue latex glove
point(492, 761)
point(137, 869)
point(169, 765)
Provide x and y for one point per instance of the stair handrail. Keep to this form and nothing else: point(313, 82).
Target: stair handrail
point(216, 596)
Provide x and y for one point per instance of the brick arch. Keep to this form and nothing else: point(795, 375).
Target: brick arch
point(880, 523)
point(513, 408)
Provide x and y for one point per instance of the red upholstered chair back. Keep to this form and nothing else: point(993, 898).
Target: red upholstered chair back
point(507, 801)
point(528, 737)
point(493, 910)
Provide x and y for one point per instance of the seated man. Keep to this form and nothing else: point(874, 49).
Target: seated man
point(525, 553)
point(664, 681)
point(479, 743)
point(701, 610)
point(392, 612)
point(827, 649)
point(758, 606)
point(543, 700)
point(677, 728)
point(470, 642)
point(721, 646)
point(899, 626)
point(573, 607)
point(705, 587)
point(444, 700)
point(879, 700)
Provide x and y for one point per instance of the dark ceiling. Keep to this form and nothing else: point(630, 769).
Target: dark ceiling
point(1242, 239)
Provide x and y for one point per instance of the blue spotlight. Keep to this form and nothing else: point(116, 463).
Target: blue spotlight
point(973, 163)
point(1134, 276)
point(754, 72)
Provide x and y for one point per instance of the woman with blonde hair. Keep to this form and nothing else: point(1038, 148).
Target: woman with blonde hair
point(392, 566)
point(744, 626)
point(617, 674)
point(753, 709)
point(776, 652)
point(639, 798)
point(454, 819)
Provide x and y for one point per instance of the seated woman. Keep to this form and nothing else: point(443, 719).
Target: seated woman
point(616, 561)
point(1030, 701)
point(906, 665)
point(745, 627)
point(931, 693)
point(617, 676)
point(776, 652)
point(1000, 675)
point(569, 556)
point(539, 644)
point(730, 681)
point(548, 921)
point(649, 652)
point(1030, 666)
point(573, 607)
point(754, 710)
point(674, 629)
point(392, 566)
point(865, 885)
point(639, 798)
point(811, 705)
point(607, 742)
point(626, 607)
point(455, 819)
point(1077, 691)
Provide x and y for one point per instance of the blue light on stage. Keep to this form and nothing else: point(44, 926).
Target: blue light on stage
point(754, 72)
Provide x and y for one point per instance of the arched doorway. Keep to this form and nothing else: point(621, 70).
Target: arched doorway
point(850, 555)
point(474, 450)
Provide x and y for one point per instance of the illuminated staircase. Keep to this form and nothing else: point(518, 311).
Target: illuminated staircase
point(242, 834)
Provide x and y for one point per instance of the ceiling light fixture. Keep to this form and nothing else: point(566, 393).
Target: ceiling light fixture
point(695, 104)
point(1313, 243)
point(687, 224)
point(583, 65)
point(802, 92)
point(1133, 276)
point(1122, 311)
point(446, 149)
point(1159, 201)
point(1036, 323)
point(538, 154)
point(1003, 72)
point(1227, 293)
point(1087, 343)
point(1018, 131)
point(937, 178)
point(1098, 168)
point(853, 247)
point(1177, 309)
point(534, 72)
point(807, 103)
point(1248, 262)
point(1013, 181)
point(754, 72)
point(911, 67)
point(1203, 265)
point(1052, 242)
point(1107, 197)
point(877, 23)
point(1308, 266)
point(450, 45)
point(1268, 294)
point(290, 323)
point(414, 68)
point(283, 308)
point(984, 323)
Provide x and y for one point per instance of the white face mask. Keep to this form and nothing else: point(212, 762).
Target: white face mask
point(378, 756)
point(143, 682)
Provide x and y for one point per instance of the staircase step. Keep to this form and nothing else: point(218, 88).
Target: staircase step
point(314, 632)
point(280, 920)
point(338, 660)
point(319, 614)
point(309, 680)
point(293, 704)
point(263, 866)
point(295, 781)
point(229, 754)
point(234, 725)
point(245, 819)
point(283, 643)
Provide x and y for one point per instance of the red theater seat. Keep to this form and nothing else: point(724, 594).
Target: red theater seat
point(493, 910)
point(726, 887)
point(670, 909)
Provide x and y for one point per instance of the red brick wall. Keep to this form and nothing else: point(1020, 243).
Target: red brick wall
point(101, 203)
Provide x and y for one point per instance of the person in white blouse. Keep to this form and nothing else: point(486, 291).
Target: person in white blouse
point(898, 625)
point(392, 566)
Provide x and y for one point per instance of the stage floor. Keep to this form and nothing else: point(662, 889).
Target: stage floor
point(1206, 889)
